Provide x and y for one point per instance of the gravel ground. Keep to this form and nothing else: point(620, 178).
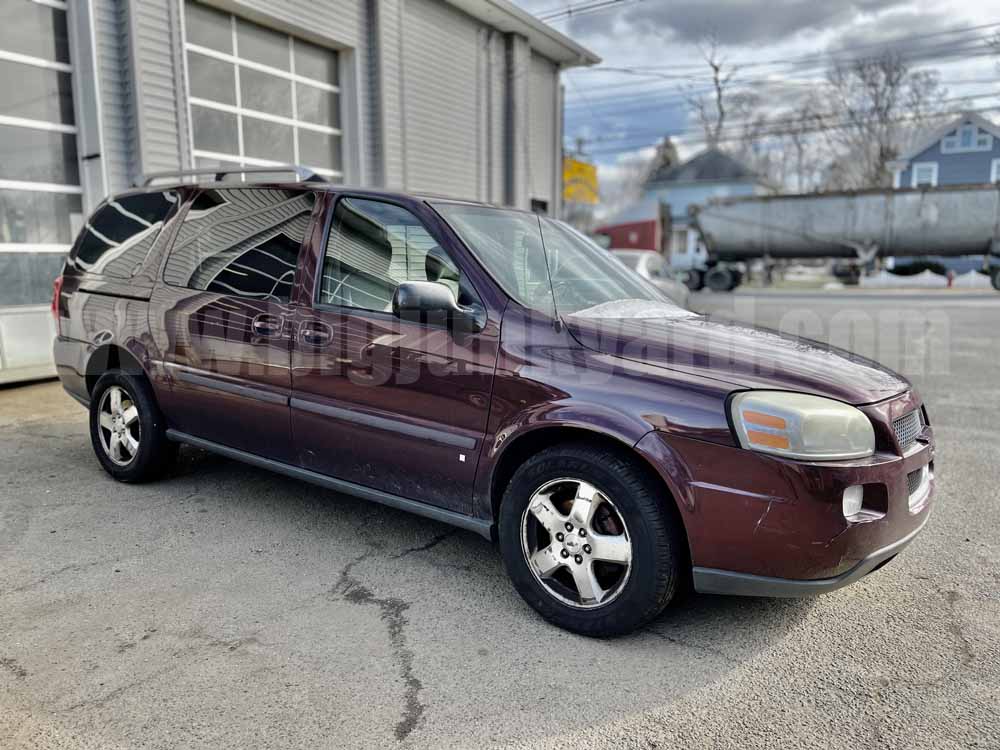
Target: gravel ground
point(229, 608)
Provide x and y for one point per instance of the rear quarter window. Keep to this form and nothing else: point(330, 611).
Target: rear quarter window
point(117, 238)
point(243, 242)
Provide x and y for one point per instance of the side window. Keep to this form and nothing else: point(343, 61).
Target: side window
point(117, 238)
point(373, 247)
point(242, 242)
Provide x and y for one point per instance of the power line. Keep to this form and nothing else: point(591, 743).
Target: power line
point(649, 88)
point(731, 138)
point(820, 56)
point(770, 126)
point(581, 9)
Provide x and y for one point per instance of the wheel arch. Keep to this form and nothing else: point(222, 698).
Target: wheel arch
point(528, 443)
point(110, 357)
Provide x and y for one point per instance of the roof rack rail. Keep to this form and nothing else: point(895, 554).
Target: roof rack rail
point(303, 174)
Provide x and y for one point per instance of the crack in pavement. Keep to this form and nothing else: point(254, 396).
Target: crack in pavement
point(14, 668)
point(434, 542)
point(965, 647)
point(392, 611)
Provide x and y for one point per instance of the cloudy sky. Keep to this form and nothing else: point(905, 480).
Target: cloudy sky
point(781, 47)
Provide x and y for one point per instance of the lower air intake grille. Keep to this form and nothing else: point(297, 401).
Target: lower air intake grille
point(913, 480)
point(907, 427)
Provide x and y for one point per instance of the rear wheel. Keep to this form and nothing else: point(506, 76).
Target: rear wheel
point(719, 279)
point(587, 540)
point(694, 280)
point(127, 430)
point(995, 278)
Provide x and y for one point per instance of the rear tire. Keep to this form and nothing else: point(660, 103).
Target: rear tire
point(995, 278)
point(127, 429)
point(694, 280)
point(589, 590)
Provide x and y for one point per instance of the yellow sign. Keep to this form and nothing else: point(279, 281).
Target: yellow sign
point(579, 182)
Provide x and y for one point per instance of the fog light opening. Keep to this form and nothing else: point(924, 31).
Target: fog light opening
point(853, 497)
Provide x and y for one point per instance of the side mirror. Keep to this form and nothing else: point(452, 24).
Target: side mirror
point(433, 301)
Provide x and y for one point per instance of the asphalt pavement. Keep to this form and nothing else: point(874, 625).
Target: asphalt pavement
point(226, 607)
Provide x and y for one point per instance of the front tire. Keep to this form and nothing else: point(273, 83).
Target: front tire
point(127, 429)
point(625, 566)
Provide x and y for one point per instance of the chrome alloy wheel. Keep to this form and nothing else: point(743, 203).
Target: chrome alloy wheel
point(119, 425)
point(576, 543)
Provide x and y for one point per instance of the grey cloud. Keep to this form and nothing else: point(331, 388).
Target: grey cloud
point(733, 22)
point(895, 32)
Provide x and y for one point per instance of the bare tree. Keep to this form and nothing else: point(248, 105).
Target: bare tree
point(711, 110)
point(872, 102)
point(802, 131)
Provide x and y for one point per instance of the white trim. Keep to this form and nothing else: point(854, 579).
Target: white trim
point(250, 161)
point(295, 99)
point(995, 170)
point(35, 62)
point(239, 90)
point(958, 148)
point(897, 176)
point(260, 67)
point(32, 247)
point(40, 187)
point(913, 173)
point(57, 4)
point(98, 104)
point(255, 114)
point(24, 122)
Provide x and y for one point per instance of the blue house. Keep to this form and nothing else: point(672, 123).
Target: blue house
point(964, 152)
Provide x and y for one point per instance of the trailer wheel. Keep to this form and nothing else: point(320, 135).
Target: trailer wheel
point(995, 278)
point(737, 280)
point(719, 279)
point(694, 280)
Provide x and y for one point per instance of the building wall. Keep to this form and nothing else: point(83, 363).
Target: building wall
point(968, 168)
point(430, 98)
point(639, 235)
point(482, 121)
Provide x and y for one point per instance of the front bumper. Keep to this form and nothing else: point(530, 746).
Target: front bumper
point(728, 582)
point(766, 526)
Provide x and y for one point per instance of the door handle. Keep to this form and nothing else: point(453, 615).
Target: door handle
point(267, 325)
point(316, 334)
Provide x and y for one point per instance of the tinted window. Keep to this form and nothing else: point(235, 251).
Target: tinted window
point(241, 242)
point(375, 246)
point(117, 238)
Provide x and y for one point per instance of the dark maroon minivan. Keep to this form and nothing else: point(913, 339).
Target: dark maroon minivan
point(495, 370)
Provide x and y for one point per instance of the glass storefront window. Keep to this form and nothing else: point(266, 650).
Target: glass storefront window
point(29, 217)
point(41, 207)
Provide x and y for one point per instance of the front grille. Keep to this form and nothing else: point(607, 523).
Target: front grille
point(907, 427)
point(913, 480)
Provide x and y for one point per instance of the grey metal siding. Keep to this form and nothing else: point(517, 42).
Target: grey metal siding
point(496, 98)
point(542, 118)
point(516, 145)
point(388, 152)
point(116, 106)
point(160, 96)
point(440, 55)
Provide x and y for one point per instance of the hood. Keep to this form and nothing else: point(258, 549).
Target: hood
point(742, 355)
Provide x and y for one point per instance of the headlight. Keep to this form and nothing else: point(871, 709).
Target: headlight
point(797, 425)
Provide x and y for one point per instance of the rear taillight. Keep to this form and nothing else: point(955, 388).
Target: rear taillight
point(56, 294)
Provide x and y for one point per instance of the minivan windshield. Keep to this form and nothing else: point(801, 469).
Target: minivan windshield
point(547, 265)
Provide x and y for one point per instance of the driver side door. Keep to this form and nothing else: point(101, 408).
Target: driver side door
point(395, 405)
